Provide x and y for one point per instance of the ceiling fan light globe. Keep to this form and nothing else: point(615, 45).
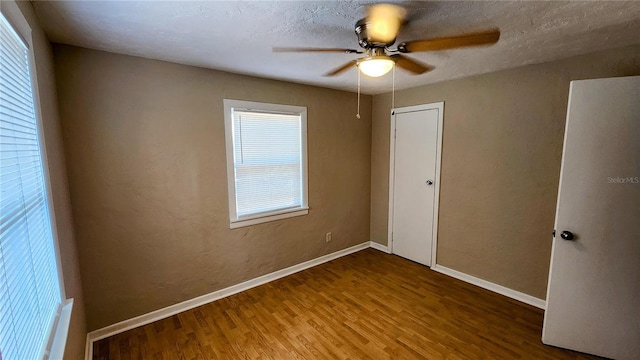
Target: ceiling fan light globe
point(376, 67)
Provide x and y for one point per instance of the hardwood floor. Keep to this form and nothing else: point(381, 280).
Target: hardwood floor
point(367, 305)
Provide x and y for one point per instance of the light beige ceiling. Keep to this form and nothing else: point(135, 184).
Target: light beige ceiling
point(237, 36)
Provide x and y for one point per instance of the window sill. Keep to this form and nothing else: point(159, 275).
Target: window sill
point(61, 331)
point(267, 217)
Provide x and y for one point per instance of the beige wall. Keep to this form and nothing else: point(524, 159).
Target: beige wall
point(57, 176)
point(502, 146)
point(145, 148)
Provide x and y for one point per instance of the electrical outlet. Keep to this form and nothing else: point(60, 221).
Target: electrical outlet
point(327, 237)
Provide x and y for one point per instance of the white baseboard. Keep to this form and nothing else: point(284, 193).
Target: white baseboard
point(207, 298)
point(163, 313)
point(380, 247)
point(516, 295)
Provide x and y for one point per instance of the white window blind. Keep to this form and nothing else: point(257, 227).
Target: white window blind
point(30, 292)
point(267, 161)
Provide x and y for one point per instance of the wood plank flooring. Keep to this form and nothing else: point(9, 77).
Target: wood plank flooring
point(367, 305)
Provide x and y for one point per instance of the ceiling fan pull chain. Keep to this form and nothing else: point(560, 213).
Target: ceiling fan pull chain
point(358, 114)
point(393, 87)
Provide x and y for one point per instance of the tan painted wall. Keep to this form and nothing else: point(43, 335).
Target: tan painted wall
point(58, 177)
point(146, 155)
point(502, 145)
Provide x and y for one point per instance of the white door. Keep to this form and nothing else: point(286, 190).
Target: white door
point(593, 298)
point(415, 182)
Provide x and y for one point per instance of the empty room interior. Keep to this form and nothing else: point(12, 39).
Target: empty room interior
point(320, 180)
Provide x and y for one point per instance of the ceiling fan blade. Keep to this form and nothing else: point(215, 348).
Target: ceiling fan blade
point(384, 21)
point(312, 49)
point(340, 69)
point(487, 37)
point(411, 65)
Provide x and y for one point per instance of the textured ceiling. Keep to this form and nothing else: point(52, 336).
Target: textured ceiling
point(237, 36)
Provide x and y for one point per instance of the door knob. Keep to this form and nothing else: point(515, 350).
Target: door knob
point(429, 182)
point(567, 235)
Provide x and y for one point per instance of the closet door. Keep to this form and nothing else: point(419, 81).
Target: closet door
point(414, 184)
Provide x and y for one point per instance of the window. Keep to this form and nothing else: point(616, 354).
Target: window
point(266, 161)
point(30, 292)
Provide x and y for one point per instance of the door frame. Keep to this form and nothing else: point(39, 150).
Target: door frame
point(439, 106)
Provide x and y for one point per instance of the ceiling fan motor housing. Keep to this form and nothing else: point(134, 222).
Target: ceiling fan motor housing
point(365, 40)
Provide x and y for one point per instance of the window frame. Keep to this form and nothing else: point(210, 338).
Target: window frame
point(55, 345)
point(236, 221)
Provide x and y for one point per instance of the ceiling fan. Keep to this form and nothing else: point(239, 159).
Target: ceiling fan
point(378, 31)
